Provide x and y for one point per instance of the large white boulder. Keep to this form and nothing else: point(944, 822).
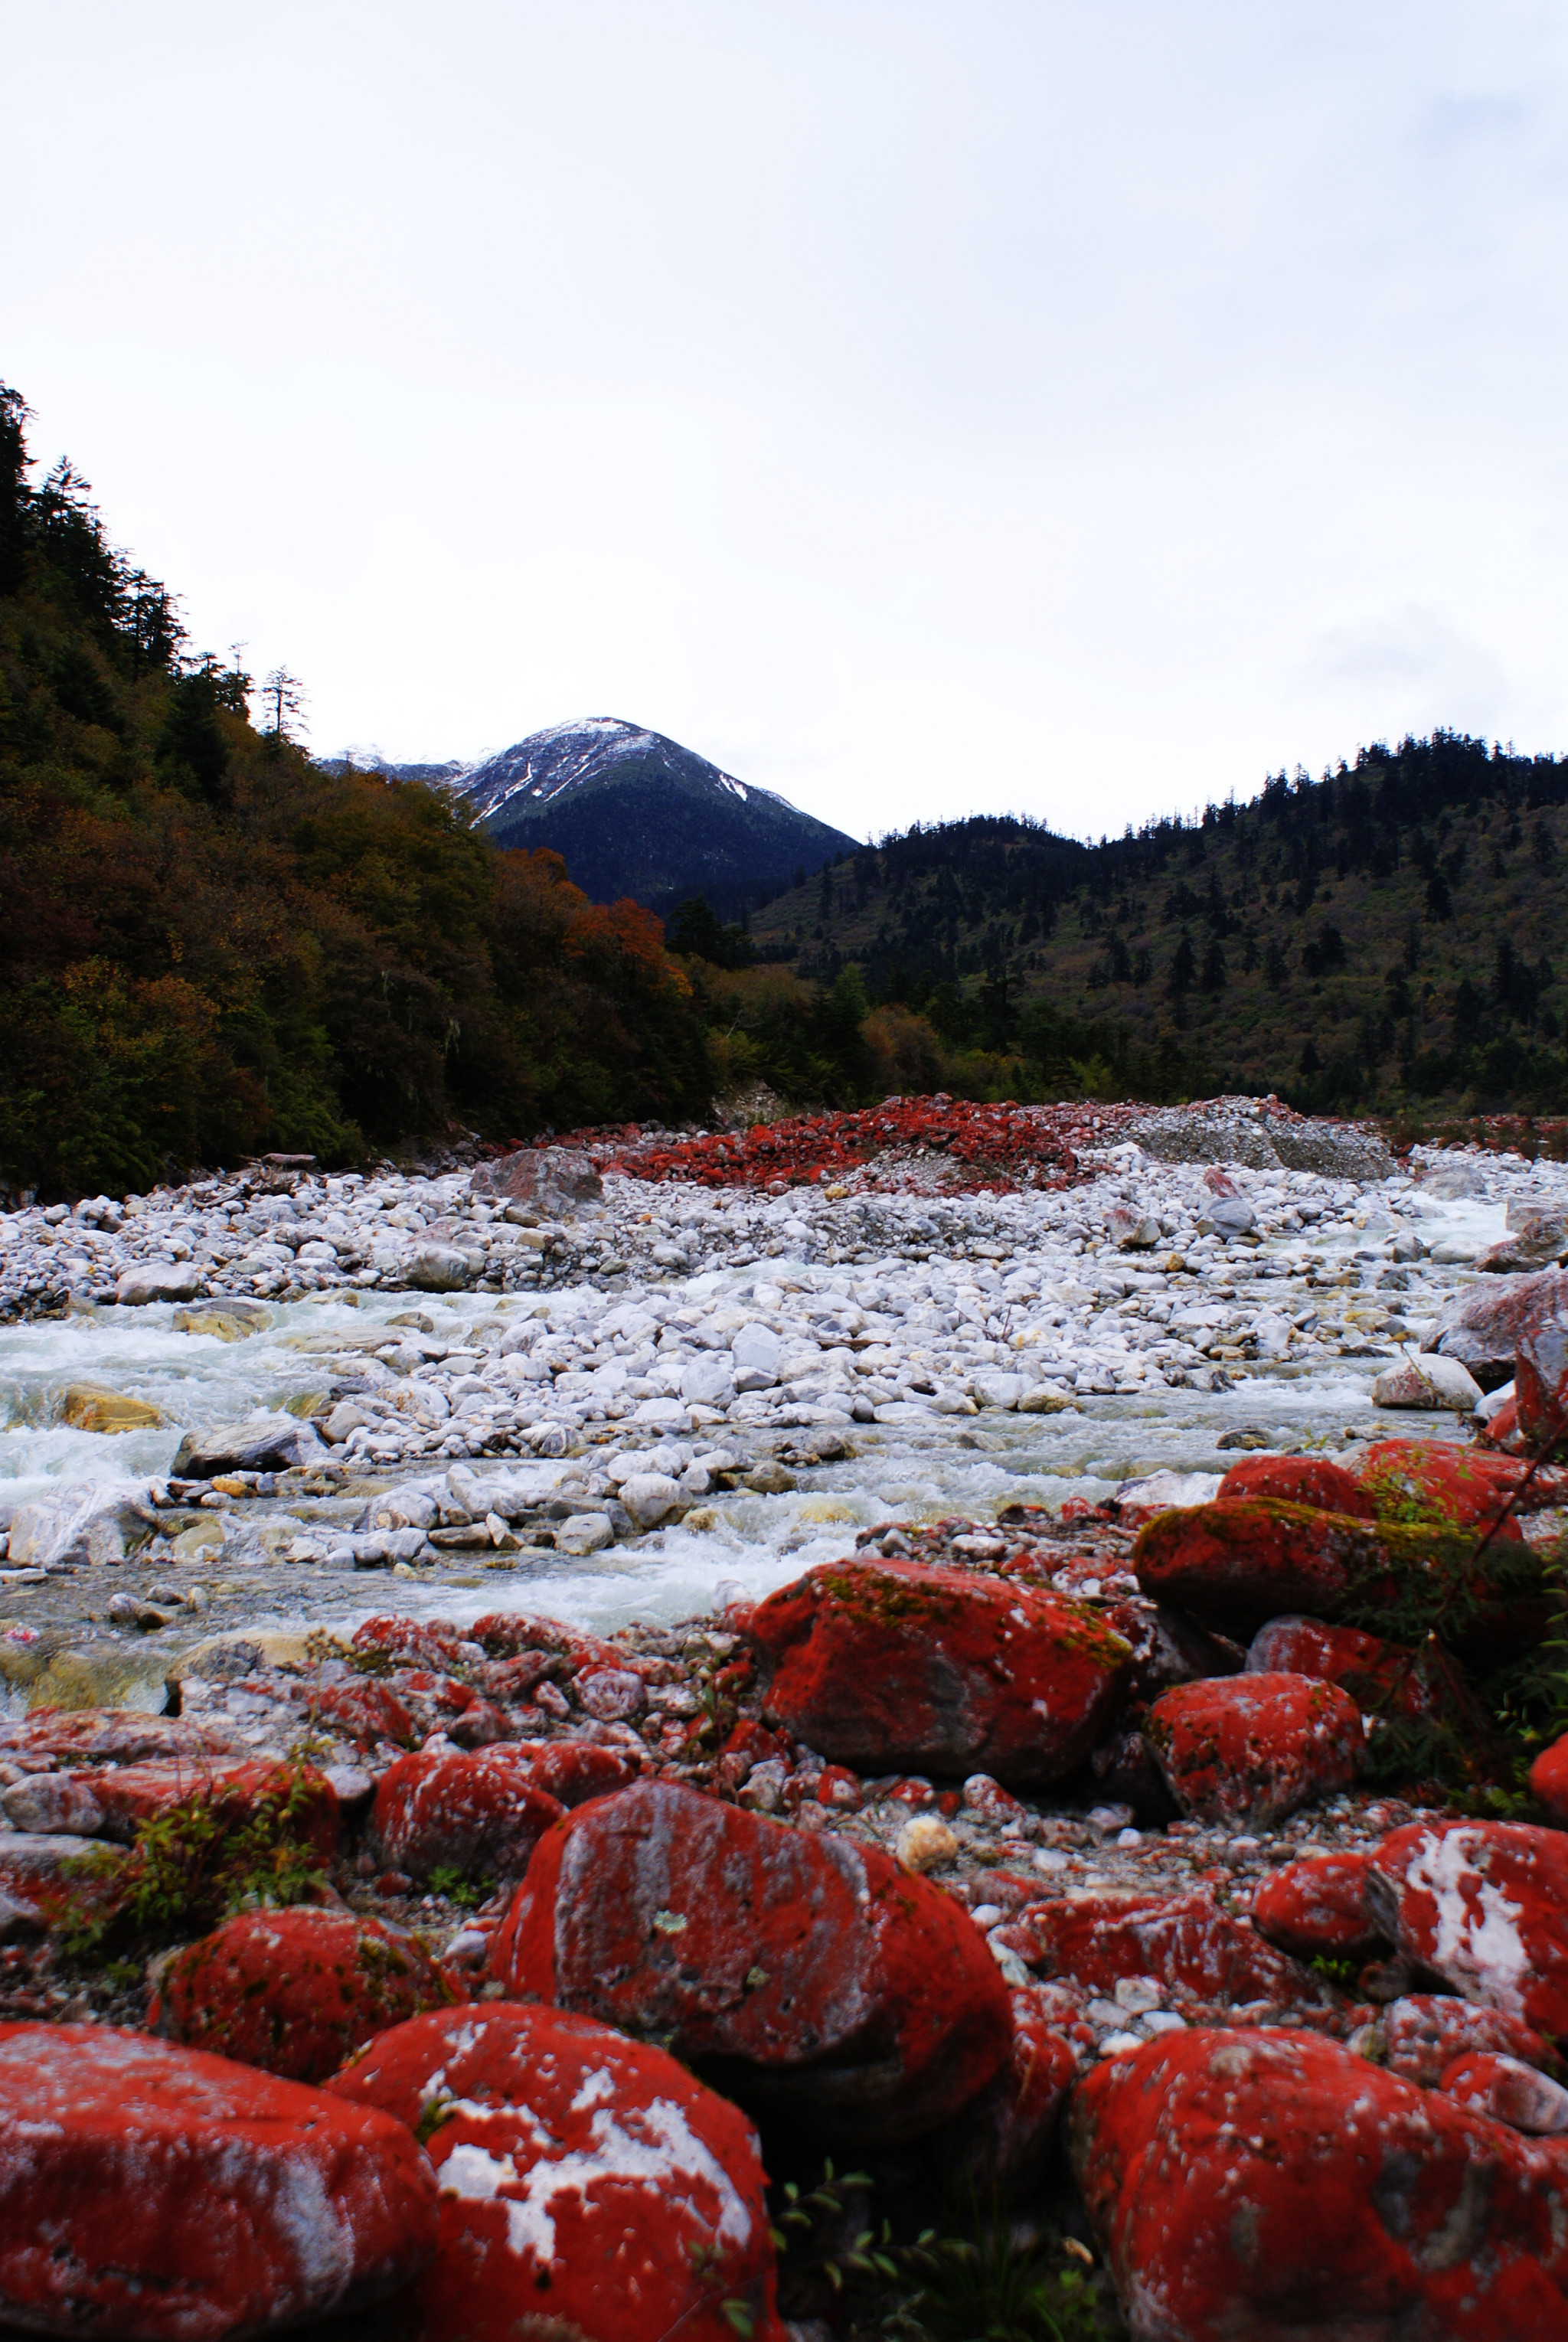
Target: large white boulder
point(650, 1497)
point(436, 1268)
point(266, 1442)
point(158, 1280)
point(709, 1380)
point(756, 1350)
point(1428, 1381)
point(94, 1521)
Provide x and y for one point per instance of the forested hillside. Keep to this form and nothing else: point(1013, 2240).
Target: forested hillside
point(1387, 936)
point(209, 946)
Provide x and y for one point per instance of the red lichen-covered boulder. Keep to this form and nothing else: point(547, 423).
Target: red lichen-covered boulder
point(1549, 1783)
point(236, 1791)
point(1423, 2033)
point(1186, 1942)
point(1484, 1906)
point(296, 1992)
point(1541, 1374)
point(1251, 1748)
point(366, 1712)
point(1438, 1484)
point(151, 2192)
point(1235, 1562)
point(1004, 2138)
point(1318, 1906)
point(810, 1975)
point(478, 1811)
point(1270, 2184)
point(882, 1663)
point(589, 2185)
point(1298, 1480)
point(1508, 2091)
point(1384, 1679)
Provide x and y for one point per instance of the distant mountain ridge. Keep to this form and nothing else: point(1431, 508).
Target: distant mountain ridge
point(635, 813)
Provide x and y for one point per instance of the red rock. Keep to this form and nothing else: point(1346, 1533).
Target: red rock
point(553, 1176)
point(1424, 2032)
point(296, 1992)
point(1502, 1430)
point(1379, 1676)
point(881, 1663)
point(1318, 1906)
point(515, 1678)
point(1234, 1564)
point(1098, 1937)
point(824, 1984)
point(837, 1786)
point(589, 2186)
point(1270, 2184)
point(1482, 1326)
point(1549, 1783)
point(1484, 1906)
point(1251, 1748)
point(151, 2192)
point(117, 1736)
point(1438, 1484)
point(234, 1790)
point(481, 1812)
point(1541, 1374)
point(573, 1771)
point(1298, 1480)
point(1004, 2138)
point(1509, 2092)
point(480, 1725)
point(612, 1694)
point(509, 1634)
point(433, 1643)
point(366, 1712)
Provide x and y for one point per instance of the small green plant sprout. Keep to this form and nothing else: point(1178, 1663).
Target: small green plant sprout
point(194, 1866)
point(454, 1887)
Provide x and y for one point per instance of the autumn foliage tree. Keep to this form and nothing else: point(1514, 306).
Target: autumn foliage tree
point(212, 946)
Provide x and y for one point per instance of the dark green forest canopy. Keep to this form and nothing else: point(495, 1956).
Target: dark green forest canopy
point(1384, 936)
point(210, 947)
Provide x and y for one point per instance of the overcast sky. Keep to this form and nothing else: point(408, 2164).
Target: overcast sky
point(1079, 408)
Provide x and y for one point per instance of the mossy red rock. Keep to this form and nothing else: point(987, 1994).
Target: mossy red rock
point(481, 1812)
point(1249, 1749)
point(297, 1992)
point(1317, 1908)
point(589, 2185)
point(1484, 1906)
point(1235, 1562)
point(819, 1982)
point(1298, 1480)
point(1097, 1936)
point(1266, 2183)
point(884, 1664)
point(157, 2194)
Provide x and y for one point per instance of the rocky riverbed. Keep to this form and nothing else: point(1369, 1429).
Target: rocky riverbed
point(960, 1543)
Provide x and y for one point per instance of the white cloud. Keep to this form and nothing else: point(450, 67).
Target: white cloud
point(915, 408)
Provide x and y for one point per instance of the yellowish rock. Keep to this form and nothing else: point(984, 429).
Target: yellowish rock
point(205, 1536)
point(275, 1646)
point(91, 1406)
point(924, 1842)
point(226, 1325)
